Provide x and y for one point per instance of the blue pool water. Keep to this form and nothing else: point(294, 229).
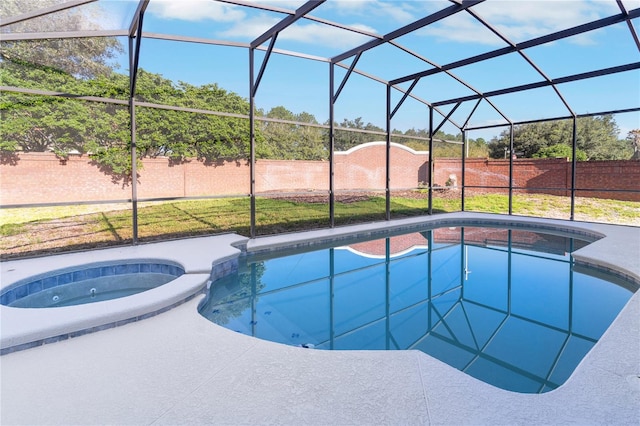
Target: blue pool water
point(508, 307)
point(88, 284)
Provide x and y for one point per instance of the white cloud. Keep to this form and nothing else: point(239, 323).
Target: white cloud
point(521, 20)
point(196, 10)
point(325, 35)
point(285, 4)
point(245, 27)
point(312, 33)
point(631, 4)
point(461, 28)
point(518, 20)
point(249, 28)
point(400, 12)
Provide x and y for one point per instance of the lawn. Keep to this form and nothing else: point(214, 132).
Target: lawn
point(35, 231)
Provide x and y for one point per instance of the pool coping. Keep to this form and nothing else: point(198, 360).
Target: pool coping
point(184, 369)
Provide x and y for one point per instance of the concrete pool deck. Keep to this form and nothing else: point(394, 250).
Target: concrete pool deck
point(179, 368)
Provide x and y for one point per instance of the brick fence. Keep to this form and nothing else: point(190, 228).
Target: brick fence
point(597, 179)
point(44, 178)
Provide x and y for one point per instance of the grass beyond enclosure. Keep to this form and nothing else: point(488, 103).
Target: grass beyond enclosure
point(37, 231)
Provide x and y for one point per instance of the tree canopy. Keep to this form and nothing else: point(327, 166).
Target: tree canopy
point(292, 141)
point(560, 150)
point(444, 145)
point(82, 57)
point(63, 125)
point(634, 138)
point(597, 139)
point(345, 139)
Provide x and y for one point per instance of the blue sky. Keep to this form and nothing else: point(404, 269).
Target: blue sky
point(302, 85)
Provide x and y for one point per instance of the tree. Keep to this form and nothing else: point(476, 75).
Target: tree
point(478, 148)
point(292, 141)
point(596, 137)
point(78, 66)
point(442, 144)
point(634, 138)
point(40, 123)
point(560, 150)
point(81, 57)
point(184, 135)
point(62, 125)
point(343, 140)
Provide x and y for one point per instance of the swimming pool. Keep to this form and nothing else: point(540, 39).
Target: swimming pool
point(507, 306)
point(88, 284)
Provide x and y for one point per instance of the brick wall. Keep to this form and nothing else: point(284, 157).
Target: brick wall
point(364, 167)
point(610, 175)
point(546, 174)
point(283, 175)
point(43, 178)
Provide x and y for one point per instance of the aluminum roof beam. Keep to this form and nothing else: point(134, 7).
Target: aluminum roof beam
point(634, 34)
point(135, 55)
point(435, 17)
point(289, 20)
point(439, 126)
point(404, 98)
point(43, 11)
point(346, 77)
point(590, 26)
point(272, 34)
point(450, 74)
point(137, 17)
point(473, 110)
point(257, 5)
point(63, 34)
point(522, 54)
point(566, 117)
point(268, 8)
point(561, 80)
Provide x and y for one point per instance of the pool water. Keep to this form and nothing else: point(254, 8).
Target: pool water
point(508, 307)
point(93, 290)
point(88, 284)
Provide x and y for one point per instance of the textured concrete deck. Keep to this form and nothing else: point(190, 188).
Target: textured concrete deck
point(179, 368)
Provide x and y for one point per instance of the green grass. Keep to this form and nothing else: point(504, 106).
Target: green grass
point(31, 214)
point(30, 231)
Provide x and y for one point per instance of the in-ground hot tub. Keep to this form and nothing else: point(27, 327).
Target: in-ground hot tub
point(185, 266)
point(80, 298)
point(89, 283)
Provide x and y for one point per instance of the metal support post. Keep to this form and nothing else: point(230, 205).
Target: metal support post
point(332, 197)
point(388, 157)
point(511, 169)
point(252, 142)
point(465, 154)
point(430, 209)
point(574, 148)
